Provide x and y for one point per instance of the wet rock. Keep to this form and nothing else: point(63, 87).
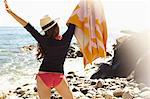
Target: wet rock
point(20, 93)
point(71, 72)
point(25, 84)
point(18, 88)
point(76, 83)
point(104, 71)
point(79, 54)
point(81, 77)
point(75, 89)
point(69, 76)
point(84, 91)
point(35, 89)
point(93, 82)
point(108, 54)
point(28, 89)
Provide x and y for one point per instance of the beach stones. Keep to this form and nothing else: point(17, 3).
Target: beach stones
point(85, 88)
point(71, 52)
point(35, 89)
point(99, 84)
point(79, 54)
point(74, 52)
point(75, 89)
point(118, 93)
point(130, 54)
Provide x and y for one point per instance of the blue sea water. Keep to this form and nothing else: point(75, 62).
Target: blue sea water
point(14, 63)
point(11, 40)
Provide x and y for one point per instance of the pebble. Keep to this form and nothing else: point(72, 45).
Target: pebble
point(99, 84)
point(84, 91)
point(107, 96)
point(75, 89)
point(118, 93)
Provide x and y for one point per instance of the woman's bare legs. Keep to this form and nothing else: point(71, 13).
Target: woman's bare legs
point(63, 90)
point(43, 91)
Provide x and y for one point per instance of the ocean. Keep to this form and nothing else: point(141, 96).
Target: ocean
point(14, 63)
point(18, 67)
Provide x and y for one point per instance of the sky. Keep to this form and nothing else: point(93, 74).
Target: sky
point(123, 14)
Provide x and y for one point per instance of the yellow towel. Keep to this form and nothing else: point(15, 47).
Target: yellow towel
point(91, 29)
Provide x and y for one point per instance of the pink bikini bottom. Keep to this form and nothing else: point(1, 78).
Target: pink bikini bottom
point(51, 80)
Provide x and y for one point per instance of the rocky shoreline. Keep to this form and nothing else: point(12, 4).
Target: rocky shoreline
point(85, 88)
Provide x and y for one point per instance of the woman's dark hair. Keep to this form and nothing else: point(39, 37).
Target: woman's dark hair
point(50, 34)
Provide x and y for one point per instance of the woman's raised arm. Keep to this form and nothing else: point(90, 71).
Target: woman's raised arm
point(16, 17)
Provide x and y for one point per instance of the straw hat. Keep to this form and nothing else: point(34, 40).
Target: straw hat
point(46, 23)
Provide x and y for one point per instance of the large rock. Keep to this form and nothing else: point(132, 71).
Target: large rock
point(127, 54)
point(104, 71)
point(133, 54)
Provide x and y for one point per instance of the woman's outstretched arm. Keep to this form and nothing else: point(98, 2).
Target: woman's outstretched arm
point(25, 24)
point(16, 17)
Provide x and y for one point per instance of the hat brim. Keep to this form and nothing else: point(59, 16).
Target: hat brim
point(55, 21)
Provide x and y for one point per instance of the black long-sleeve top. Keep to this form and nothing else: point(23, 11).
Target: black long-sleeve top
point(55, 50)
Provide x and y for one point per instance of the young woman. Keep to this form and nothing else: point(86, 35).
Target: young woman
point(52, 49)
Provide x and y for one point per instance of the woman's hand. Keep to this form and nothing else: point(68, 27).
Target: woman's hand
point(15, 16)
point(7, 7)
